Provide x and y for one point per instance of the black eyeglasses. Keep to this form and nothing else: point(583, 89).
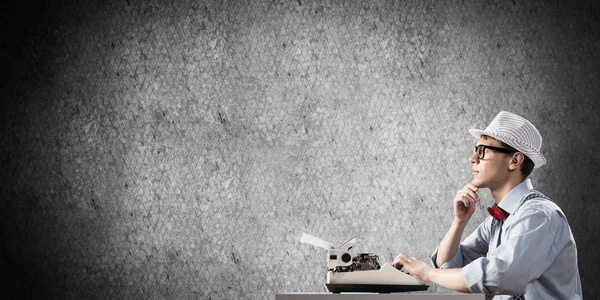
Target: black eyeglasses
point(480, 150)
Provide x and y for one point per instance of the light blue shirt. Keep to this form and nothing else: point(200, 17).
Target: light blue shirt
point(537, 256)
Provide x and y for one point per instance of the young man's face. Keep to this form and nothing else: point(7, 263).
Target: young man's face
point(491, 171)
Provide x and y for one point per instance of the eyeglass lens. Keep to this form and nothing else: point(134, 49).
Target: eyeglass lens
point(480, 150)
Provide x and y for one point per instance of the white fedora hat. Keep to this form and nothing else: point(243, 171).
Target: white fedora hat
point(516, 132)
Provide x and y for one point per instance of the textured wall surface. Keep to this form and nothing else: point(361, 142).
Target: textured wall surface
point(153, 150)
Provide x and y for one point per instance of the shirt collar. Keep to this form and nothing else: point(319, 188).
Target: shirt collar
point(510, 202)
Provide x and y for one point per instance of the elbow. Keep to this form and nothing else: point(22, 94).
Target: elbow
point(495, 277)
point(510, 283)
point(512, 286)
point(506, 281)
point(517, 277)
point(506, 288)
point(512, 289)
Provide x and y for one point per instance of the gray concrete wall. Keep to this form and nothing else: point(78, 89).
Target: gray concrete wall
point(155, 150)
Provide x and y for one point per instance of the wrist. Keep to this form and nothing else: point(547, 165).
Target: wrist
point(460, 223)
point(430, 275)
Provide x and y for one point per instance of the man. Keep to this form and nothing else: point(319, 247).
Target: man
point(525, 249)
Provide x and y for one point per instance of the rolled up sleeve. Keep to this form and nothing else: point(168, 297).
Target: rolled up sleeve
point(522, 257)
point(454, 262)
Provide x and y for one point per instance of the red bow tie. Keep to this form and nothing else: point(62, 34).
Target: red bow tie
point(498, 213)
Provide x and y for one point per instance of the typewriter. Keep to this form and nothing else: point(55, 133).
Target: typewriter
point(363, 272)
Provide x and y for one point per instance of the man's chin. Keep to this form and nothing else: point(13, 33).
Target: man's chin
point(478, 183)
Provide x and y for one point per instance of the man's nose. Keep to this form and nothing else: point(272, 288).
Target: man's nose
point(474, 159)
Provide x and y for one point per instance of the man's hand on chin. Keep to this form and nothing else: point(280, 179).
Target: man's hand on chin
point(415, 267)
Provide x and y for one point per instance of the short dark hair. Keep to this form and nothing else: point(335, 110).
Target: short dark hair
point(528, 164)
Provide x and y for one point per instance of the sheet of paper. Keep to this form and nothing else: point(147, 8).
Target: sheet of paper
point(353, 241)
point(313, 240)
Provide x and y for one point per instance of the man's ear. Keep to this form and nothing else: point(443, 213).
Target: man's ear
point(516, 161)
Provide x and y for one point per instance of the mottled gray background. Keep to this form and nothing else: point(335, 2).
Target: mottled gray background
point(178, 150)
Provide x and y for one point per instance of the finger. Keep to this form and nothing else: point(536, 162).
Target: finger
point(466, 200)
point(463, 193)
point(405, 259)
point(472, 187)
point(396, 260)
point(473, 195)
point(472, 198)
point(472, 190)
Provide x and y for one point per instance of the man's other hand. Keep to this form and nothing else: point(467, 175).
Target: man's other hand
point(415, 267)
point(396, 263)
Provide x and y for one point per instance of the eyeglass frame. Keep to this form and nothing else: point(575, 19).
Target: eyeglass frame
point(498, 149)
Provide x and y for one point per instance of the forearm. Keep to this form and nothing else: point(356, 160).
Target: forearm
point(449, 278)
point(449, 244)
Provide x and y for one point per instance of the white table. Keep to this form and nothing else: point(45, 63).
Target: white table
point(372, 296)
